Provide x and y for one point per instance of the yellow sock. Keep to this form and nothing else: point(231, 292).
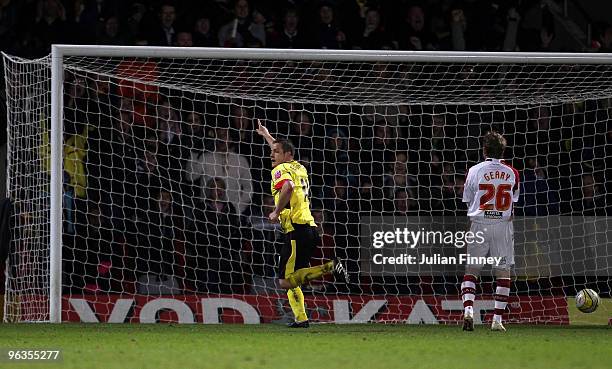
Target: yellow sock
point(296, 300)
point(301, 276)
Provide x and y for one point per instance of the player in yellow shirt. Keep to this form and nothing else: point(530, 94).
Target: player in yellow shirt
point(290, 190)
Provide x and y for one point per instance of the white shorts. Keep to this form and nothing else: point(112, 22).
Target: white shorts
point(498, 242)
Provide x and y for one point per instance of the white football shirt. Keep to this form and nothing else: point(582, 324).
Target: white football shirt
point(490, 189)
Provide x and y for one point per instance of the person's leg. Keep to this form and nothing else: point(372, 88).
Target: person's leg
point(472, 273)
point(468, 295)
point(502, 246)
point(289, 257)
point(306, 240)
point(296, 301)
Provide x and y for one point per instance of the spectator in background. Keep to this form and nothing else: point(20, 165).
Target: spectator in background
point(265, 234)
point(430, 179)
point(537, 27)
point(327, 248)
point(326, 231)
point(398, 177)
point(374, 36)
point(404, 204)
point(245, 30)
point(603, 37)
point(203, 36)
point(51, 26)
point(290, 36)
point(383, 148)
point(366, 197)
point(329, 35)
point(484, 26)
point(134, 21)
point(213, 253)
point(538, 195)
point(591, 198)
point(111, 34)
point(94, 254)
point(542, 135)
point(337, 200)
point(512, 28)
point(241, 132)
point(100, 114)
point(337, 161)
point(76, 131)
point(340, 208)
point(90, 15)
point(158, 228)
point(117, 158)
point(184, 39)
point(219, 210)
point(196, 126)
point(372, 199)
point(164, 33)
point(415, 36)
point(302, 136)
point(172, 149)
point(226, 164)
point(459, 188)
point(452, 193)
point(78, 102)
point(442, 135)
point(197, 143)
point(75, 152)
point(241, 123)
point(149, 175)
point(458, 26)
point(307, 147)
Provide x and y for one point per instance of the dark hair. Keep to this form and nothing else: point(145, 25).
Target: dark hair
point(494, 145)
point(290, 10)
point(287, 146)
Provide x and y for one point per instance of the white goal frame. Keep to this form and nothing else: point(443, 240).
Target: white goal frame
point(58, 52)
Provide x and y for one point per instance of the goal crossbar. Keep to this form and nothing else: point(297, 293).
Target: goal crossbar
point(59, 51)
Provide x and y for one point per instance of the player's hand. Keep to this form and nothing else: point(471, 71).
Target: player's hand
point(261, 129)
point(273, 216)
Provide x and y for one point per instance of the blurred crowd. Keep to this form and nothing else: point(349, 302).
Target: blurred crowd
point(29, 27)
point(169, 193)
point(177, 198)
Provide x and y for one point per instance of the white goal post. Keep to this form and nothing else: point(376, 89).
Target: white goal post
point(439, 83)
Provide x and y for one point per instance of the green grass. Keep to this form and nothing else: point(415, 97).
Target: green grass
point(321, 346)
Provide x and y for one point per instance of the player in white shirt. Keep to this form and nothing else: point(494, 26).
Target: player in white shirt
point(490, 191)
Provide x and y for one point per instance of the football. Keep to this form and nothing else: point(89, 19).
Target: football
point(587, 300)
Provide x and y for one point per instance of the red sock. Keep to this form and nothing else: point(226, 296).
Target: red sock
point(468, 290)
point(502, 291)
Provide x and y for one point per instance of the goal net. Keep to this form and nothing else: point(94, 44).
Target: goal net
point(163, 188)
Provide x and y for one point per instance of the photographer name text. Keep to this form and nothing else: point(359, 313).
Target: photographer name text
point(436, 259)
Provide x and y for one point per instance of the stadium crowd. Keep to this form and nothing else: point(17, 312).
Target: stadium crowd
point(28, 28)
point(184, 191)
point(178, 201)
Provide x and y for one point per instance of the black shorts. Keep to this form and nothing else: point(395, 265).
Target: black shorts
point(297, 249)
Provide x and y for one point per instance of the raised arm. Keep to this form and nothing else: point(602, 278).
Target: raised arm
point(263, 131)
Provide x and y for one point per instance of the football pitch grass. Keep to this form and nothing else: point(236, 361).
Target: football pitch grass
point(369, 346)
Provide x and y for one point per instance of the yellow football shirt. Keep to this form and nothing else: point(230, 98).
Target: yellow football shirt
point(298, 208)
